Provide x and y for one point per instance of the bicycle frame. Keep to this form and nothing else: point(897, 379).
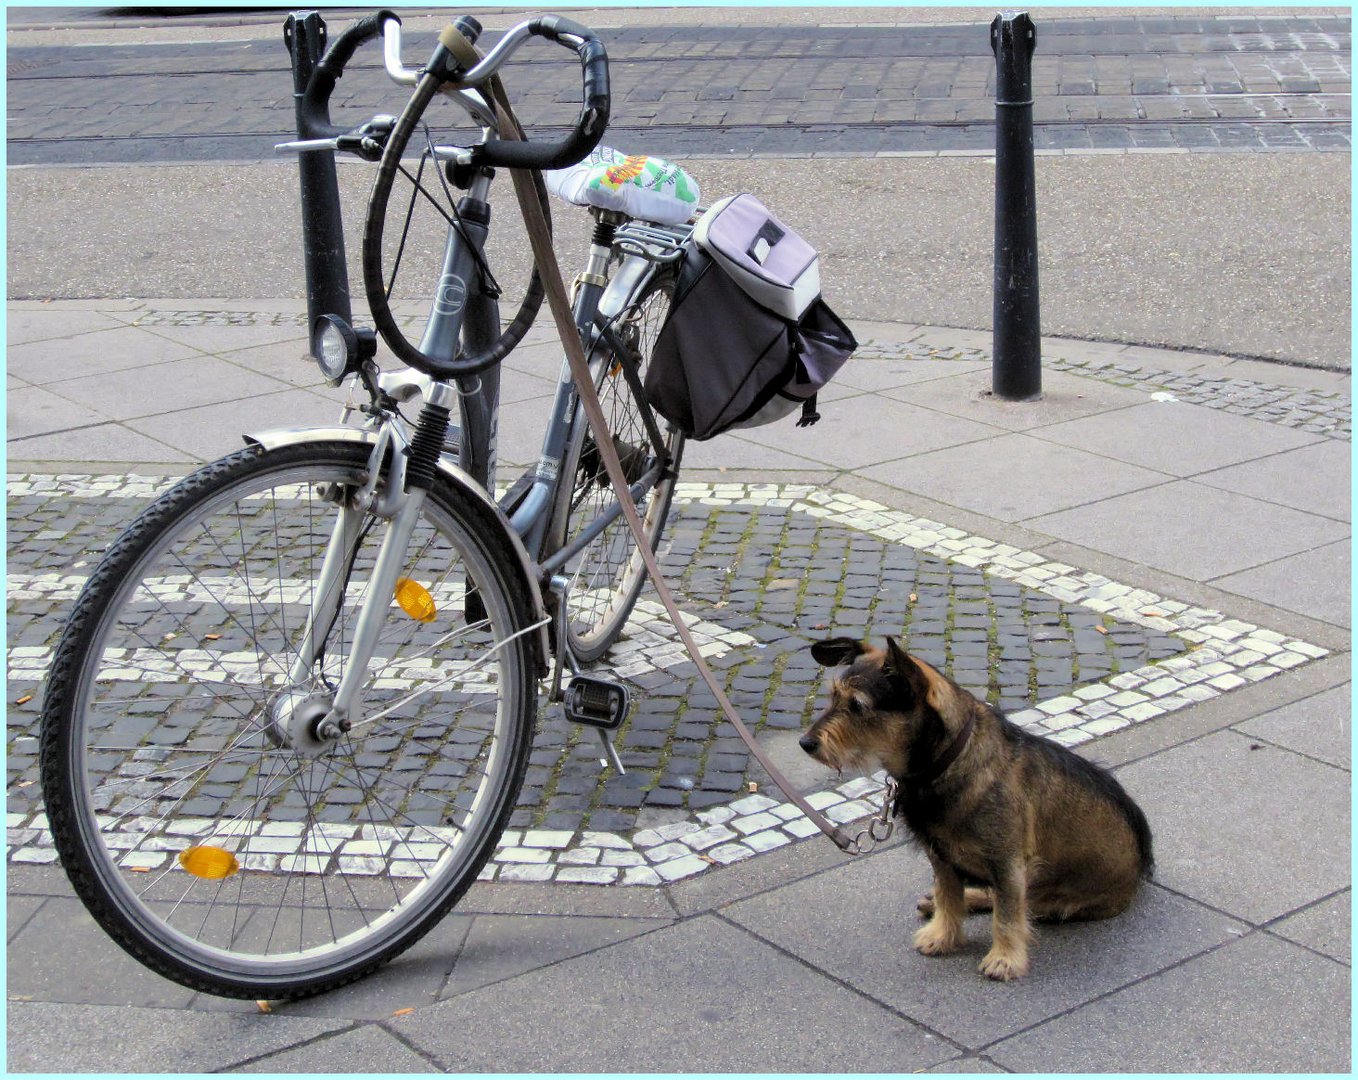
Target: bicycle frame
point(462, 314)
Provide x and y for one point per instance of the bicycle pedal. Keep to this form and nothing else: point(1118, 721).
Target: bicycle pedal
point(598, 703)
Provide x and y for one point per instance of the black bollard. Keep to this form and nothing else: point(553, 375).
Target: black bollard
point(327, 275)
point(1016, 373)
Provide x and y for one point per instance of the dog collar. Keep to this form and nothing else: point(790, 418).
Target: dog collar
point(941, 763)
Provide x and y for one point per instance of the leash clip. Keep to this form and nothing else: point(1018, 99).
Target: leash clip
point(881, 826)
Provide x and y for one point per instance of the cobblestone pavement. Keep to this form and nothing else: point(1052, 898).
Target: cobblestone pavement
point(1237, 82)
point(764, 571)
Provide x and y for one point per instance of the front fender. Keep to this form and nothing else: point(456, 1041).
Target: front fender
point(273, 438)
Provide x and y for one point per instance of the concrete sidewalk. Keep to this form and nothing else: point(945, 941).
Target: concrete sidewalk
point(1188, 496)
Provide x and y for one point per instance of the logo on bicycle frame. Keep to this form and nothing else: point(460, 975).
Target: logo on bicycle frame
point(452, 293)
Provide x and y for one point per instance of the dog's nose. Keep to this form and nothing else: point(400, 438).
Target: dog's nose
point(809, 743)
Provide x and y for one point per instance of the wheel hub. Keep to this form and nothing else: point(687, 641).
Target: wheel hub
point(296, 720)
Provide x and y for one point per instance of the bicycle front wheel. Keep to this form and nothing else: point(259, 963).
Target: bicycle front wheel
point(202, 813)
point(607, 575)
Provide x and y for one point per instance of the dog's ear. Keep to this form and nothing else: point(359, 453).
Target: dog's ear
point(901, 665)
point(836, 651)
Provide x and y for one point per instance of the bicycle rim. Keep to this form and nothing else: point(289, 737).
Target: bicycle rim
point(606, 576)
point(203, 820)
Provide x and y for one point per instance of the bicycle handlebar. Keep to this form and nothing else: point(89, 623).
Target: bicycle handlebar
point(584, 136)
point(314, 110)
point(450, 63)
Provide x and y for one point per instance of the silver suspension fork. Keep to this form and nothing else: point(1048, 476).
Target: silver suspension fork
point(330, 583)
point(381, 497)
point(376, 609)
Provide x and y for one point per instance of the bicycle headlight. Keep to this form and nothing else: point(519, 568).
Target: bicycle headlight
point(338, 348)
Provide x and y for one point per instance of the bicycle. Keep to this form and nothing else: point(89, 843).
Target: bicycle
point(291, 711)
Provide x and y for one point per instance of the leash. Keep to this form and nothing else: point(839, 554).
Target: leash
point(529, 190)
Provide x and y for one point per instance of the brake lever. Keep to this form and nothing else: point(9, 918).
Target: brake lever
point(367, 141)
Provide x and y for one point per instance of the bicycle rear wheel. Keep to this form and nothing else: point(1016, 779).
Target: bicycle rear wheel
point(208, 826)
point(607, 575)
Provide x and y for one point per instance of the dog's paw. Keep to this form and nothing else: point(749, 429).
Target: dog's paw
point(1003, 967)
point(925, 906)
point(937, 939)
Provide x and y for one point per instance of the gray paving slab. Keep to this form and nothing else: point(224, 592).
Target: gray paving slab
point(500, 947)
point(33, 323)
point(286, 360)
point(799, 450)
point(1225, 802)
point(519, 898)
point(106, 442)
point(1065, 397)
point(1254, 1005)
point(1326, 927)
point(856, 924)
point(1315, 478)
point(95, 353)
point(869, 429)
point(518, 386)
point(966, 1064)
point(713, 999)
point(233, 337)
point(60, 1038)
point(35, 410)
point(520, 433)
point(413, 980)
point(38, 971)
point(368, 1049)
point(131, 393)
point(1315, 582)
point(1152, 436)
point(715, 890)
point(1189, 529)
point(1014, 476)
point(18, 910)
point(879, 375)
point(1320, 726)
point(210, 431)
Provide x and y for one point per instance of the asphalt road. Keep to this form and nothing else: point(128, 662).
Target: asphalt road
point(873, 140)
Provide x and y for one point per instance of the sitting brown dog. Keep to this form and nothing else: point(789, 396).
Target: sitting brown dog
point(1031, 827)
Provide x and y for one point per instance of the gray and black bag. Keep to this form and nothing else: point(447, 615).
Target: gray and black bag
point(748, 338)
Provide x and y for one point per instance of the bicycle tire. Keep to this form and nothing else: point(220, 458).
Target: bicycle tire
point(172, 726)
point(606, 578)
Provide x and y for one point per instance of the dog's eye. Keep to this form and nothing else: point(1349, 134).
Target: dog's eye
point(854, 705)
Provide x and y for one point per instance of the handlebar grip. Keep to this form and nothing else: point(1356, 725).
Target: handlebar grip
point(596, 103)
point(342, 49)
point(553, 27)
point(315, 106)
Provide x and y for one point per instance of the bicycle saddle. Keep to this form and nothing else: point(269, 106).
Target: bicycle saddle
point(648, 188)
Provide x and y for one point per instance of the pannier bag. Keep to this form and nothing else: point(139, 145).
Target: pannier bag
point(748, 338)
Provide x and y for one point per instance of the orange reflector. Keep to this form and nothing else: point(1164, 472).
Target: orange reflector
point(212, 863)
point(415, 600)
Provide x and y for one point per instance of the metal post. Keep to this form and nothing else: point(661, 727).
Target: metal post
point(1016, 373)
point(327, 275)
